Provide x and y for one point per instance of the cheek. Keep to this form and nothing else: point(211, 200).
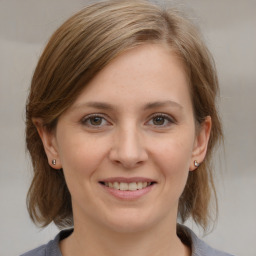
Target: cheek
point(173, 157)
point(80, 156)
point(174, 152)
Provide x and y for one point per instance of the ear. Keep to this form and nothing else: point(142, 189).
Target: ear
point(49, 141)
point(201, 143)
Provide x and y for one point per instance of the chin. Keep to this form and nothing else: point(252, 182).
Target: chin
point(130, 222)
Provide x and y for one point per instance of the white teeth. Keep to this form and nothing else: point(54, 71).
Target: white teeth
point(116, 185)
point(133, 186)
point(127, 186)
point(124, 186)
point(139, 185)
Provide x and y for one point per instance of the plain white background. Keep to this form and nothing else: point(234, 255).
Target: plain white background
point(229, 30)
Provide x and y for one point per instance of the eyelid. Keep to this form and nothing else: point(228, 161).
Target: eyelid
point(87, 117)
point(166, 116)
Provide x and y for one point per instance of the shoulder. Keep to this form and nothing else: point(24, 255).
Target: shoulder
point(51, 248)
point(40, 251)
point(198, 246)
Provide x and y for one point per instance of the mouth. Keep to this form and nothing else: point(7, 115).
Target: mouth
point(127, 186)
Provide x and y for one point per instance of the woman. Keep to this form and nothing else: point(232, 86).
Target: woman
point(121, 125)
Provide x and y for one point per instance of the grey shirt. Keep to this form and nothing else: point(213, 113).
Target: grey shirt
point(187, 236)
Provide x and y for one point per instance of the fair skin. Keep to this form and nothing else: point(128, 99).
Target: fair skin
point(133, 123)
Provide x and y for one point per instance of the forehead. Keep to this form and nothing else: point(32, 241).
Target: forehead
point(142, 74)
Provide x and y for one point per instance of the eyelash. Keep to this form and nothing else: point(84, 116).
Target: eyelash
point(88, 118)
point(166, 117)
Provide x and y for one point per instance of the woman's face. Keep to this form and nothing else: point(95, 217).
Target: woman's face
point(128, 142)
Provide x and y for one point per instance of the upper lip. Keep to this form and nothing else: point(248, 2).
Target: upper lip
point(127, 180)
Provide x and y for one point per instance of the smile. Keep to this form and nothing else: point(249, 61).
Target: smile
point(127, 188)
point(132, 186)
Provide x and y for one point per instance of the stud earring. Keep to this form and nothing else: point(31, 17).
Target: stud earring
point(54, 161)
point(196, 164)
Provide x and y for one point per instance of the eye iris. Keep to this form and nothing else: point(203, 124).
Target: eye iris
point(158, 120)
point(96, 120)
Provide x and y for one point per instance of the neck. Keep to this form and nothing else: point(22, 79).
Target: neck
point(89, 239)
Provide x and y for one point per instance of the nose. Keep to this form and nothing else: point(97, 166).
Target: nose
point(128, 148)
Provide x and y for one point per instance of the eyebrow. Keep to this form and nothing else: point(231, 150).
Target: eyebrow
point(98, 105)
point(156, 104)
point(150, 105)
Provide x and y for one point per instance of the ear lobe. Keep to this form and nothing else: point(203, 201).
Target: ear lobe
point(49, 142)
point(201, 143)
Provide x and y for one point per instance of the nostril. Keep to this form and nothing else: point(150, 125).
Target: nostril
point(117, 162)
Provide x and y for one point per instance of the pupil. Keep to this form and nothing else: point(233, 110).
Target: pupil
point(158, 120)
point(96, 120)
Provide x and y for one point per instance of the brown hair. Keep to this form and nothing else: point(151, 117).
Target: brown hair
point(79, 49)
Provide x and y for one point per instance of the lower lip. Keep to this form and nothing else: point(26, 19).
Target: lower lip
point(128, 194)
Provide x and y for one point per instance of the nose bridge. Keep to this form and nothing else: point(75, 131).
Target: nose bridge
point(128, 148)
